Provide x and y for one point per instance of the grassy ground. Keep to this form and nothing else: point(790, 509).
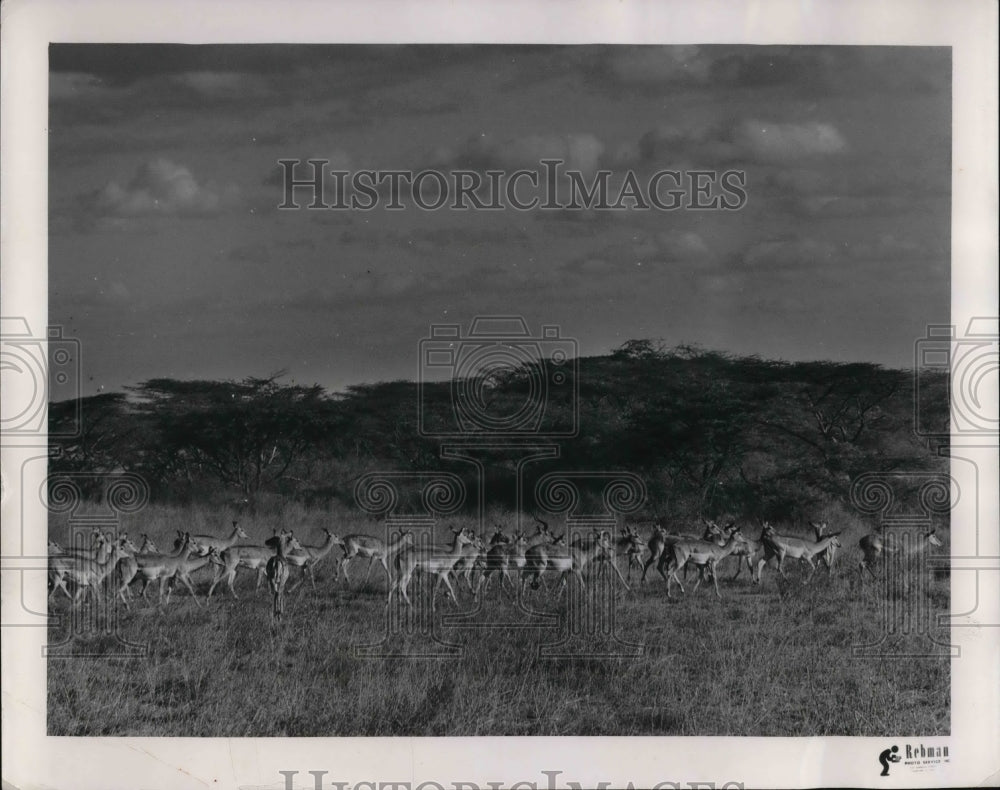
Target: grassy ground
point(756, 663)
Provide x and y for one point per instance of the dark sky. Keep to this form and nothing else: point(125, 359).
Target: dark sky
point(168, 255)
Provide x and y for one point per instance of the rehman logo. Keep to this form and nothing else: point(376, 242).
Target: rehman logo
point(925, 753)
point(890, 755)
point(919, 757)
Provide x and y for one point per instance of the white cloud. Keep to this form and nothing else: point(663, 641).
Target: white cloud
point(162, 187)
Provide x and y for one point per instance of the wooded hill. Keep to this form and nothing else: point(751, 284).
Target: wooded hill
point(709, 433)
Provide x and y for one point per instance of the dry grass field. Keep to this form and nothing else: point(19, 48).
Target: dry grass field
point(758, 662)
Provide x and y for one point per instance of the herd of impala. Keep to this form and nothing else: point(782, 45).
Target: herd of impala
point(117, 564)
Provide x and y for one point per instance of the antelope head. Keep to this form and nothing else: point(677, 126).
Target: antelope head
point(543, 526)
point(498, 536)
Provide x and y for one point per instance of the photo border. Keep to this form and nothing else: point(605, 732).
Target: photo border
point(34, 760)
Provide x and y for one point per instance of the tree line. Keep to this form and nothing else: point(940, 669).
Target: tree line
point(708, 432)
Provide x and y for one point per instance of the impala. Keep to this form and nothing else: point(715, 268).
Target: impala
point(72, 565)
point(828, 556)
point(98, 541)
point(101, 545)
point(780, 546)
point(374, 549)
point(308, 557)
point(473, 559)
point(632, 546)
point(491, 557)
point(206, 542)
point(657, 544)
point(713, 534)
point(515, 558)
point(253, 557)
point(581, 552)
point(749, 551)
point(56, 577)
point(127, 568)
point(536, 556)
point(701, 553)
point(873, 547)
point(431, 561)
point(159, 567)
point(608, 554)
point(499, 538)
point(498, 559)
point(277, 569)
point(87, 573)
point(184, 570)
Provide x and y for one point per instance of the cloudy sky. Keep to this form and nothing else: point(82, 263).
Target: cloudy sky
point(168, 255)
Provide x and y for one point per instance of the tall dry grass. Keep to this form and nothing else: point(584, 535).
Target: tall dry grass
point(759, 662)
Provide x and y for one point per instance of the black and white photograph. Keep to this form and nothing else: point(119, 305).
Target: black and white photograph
point(440, 388)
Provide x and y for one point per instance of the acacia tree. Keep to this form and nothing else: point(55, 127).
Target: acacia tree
point(246, 434)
